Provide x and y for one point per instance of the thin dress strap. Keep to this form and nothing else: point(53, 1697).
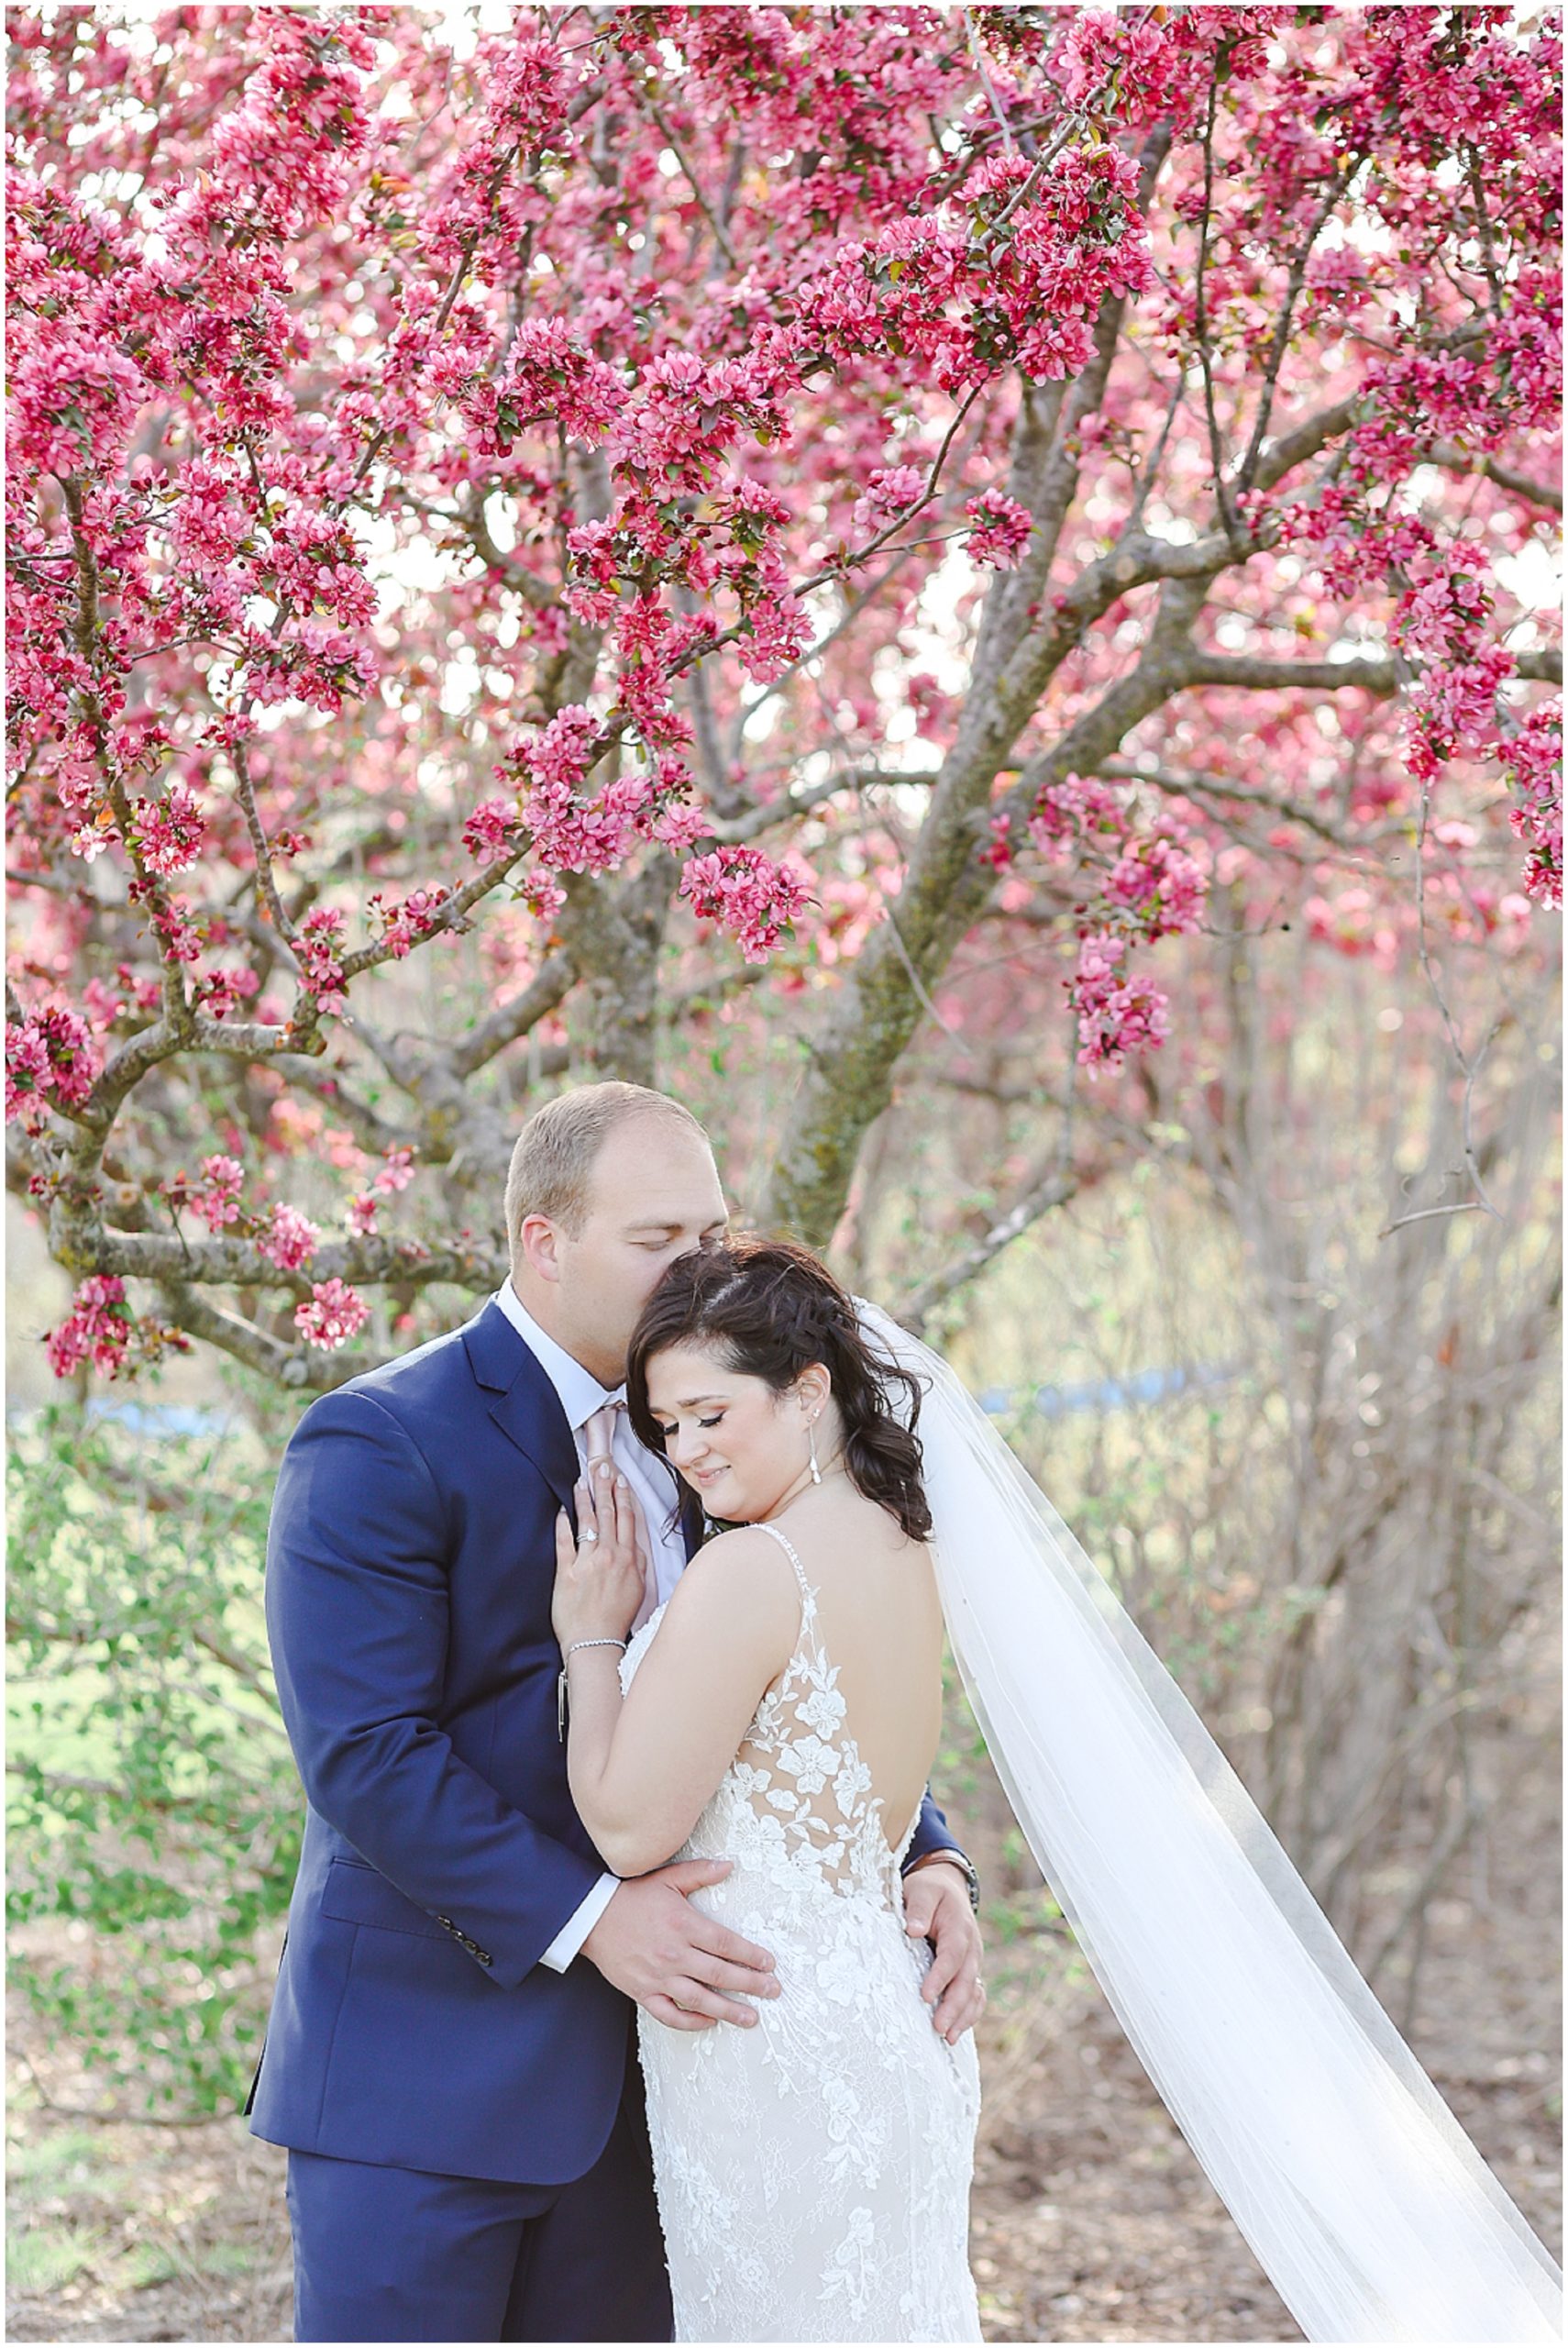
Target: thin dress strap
point(807, 1593)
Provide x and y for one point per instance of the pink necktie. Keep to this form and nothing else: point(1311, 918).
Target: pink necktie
point(599, 1442)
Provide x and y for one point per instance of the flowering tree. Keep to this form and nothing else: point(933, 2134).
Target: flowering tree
point(511, 544)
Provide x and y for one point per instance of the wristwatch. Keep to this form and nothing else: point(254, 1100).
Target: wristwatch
point(954, 1858)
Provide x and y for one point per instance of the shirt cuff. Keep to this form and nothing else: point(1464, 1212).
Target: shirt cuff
point(567, 1941)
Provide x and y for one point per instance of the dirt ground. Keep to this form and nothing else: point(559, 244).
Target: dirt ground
point(1091, 2220)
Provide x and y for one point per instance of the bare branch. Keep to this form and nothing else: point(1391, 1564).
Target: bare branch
point(1297, 279)
point(550, 983)
point(1244, 794)
point(1458, 460)
point(853, 609)
point(721, 234)
point(1050, 1189)
point(472, 523)
point(1366, 675)
point(266, 881)
point(1200, 311)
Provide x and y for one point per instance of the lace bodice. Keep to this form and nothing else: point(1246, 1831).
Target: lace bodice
point(813, 2171)
point(798, 1796)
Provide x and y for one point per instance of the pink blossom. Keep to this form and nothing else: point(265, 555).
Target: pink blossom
point(594, 836)
point(216, 1197)
point(396, 1170)
point(170, 831)
point(73, 403)
point(319, 950)
point(549, 376)
point(681, 827)
point(296, 293)
point(335, 1313)
point(890, 491)
point(90, 841)
point(1532, 762)
point(103, 1004)
point(1116, 1014)
point(219, 992)
point(403, 925)
point(96, 1329)
point(748, 893)
point(773, 636)
point(999, 851)
point(285, 151)
point(492, 831)
point(1159, 883)
point(290, 1240)
point(593, 588)
point(1001, 530)
point(557, 759)
point(176, 928)
point(47, 1053)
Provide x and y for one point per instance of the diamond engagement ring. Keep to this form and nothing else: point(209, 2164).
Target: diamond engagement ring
point(588, 1536)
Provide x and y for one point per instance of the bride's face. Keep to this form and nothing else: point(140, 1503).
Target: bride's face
point(739, 1445)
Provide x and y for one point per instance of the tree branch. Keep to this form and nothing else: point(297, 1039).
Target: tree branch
point(1050, 1189)
point(1297, 279)
point(548, 986)
point(303, 1368)
point(1449, 454)
point(265, 881)
point(239, 1263)
point(1366, 675)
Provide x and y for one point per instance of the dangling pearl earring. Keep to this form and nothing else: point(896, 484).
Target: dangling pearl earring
point(811, 1446)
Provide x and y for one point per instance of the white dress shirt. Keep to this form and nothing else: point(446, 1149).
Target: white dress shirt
point(655, 1484)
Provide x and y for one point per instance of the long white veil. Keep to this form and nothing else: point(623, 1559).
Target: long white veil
point(1361, 2196)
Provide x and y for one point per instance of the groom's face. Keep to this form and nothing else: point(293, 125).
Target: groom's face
point(654, 1194)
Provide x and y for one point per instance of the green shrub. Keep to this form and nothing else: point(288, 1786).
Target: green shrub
point(154, 1811)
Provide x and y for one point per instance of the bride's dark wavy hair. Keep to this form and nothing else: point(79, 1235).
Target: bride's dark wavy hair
point(769, 1309)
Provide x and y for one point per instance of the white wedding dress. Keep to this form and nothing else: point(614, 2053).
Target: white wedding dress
point(814, 2172)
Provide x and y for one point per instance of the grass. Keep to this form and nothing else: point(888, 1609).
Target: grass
point(44, 2258)
point(71, 2205)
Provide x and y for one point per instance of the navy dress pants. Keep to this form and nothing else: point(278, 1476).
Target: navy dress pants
point(399, 2254)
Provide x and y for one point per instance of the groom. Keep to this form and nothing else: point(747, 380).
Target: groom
point(451, 2056)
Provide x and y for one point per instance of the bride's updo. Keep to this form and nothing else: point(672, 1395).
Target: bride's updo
point(769, 1309)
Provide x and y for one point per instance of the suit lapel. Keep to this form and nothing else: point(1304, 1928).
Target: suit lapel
point(521, 1401)
point(526, 1408)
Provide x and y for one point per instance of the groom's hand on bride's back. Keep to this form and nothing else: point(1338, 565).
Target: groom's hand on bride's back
point(683, 1968)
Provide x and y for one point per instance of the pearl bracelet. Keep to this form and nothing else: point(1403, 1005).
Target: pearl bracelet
point(561, 1682)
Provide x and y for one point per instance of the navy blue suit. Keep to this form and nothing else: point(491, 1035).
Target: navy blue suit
point(409, 1565)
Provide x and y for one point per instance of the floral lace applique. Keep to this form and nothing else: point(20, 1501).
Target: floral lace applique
point(813, 2171)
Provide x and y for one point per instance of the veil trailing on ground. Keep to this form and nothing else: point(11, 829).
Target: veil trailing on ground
point(1359, 2194)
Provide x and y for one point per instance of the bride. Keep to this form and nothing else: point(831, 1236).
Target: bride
point(780, 1711)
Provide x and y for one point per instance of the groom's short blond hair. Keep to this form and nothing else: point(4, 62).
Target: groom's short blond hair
point(552, 1162)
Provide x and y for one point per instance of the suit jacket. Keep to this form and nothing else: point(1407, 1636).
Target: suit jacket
point(410, 1567)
